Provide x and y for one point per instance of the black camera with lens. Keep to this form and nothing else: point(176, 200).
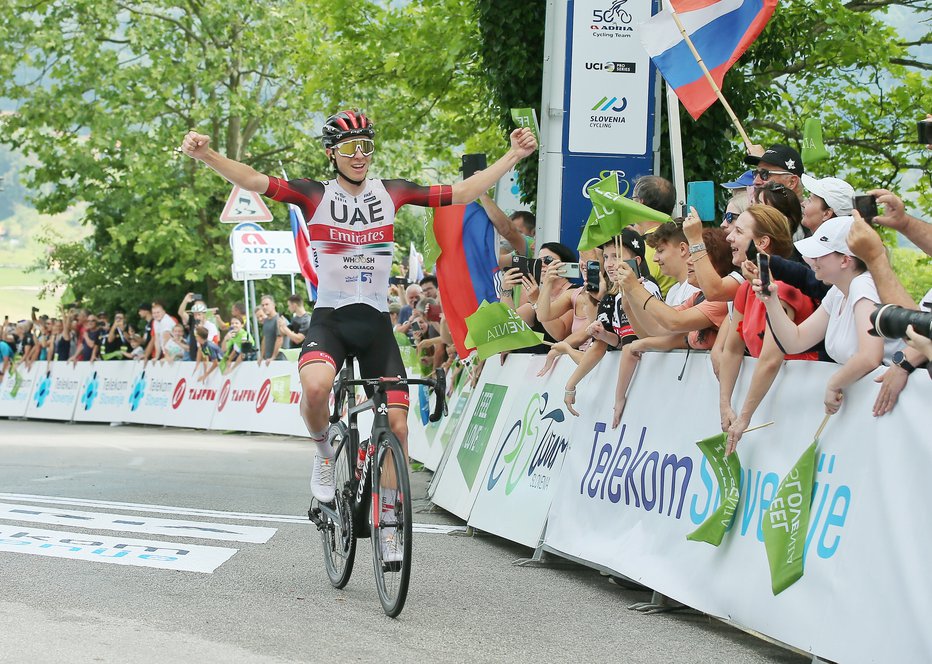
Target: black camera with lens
point(890, 321)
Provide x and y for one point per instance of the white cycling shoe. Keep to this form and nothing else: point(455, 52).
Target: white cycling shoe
point(391, 549)
point(322, 485)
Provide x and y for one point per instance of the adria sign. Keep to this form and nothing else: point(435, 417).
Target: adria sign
point(178, 394)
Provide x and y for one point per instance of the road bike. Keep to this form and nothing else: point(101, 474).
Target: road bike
point(363, 470)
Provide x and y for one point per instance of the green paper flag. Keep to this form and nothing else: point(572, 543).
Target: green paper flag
point(526, 117)
point(813, 147)
point(786, 522)
point(431, 248)
point(611, 212)
point(495, 328)
point(728, 473)
point(281, 389)
point(17, 382)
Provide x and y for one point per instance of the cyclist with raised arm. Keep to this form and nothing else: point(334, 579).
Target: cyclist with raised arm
point(350, 221)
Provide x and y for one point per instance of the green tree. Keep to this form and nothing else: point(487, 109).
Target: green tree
point(105, 89)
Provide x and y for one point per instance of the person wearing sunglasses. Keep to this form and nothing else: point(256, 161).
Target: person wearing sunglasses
point(780, 164)
point(350, 219)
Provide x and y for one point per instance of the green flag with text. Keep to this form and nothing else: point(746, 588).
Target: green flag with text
point(494, 328)
point(786, 522)
point(611, 212)
point(727, 471)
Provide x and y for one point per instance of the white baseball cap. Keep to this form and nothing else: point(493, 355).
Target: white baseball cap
point(836, 193)
point(830, 237)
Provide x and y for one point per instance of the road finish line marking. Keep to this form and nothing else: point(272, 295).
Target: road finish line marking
point(427, 528)
point(113, 550)
point(135, 524)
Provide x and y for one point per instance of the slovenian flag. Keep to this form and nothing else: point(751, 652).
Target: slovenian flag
point(467, 266)
point(721, 31)
point(302, 243)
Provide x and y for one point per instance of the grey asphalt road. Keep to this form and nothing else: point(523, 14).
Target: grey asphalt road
point(272, 602)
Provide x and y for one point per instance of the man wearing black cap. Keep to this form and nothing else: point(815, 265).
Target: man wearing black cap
point(779, 163)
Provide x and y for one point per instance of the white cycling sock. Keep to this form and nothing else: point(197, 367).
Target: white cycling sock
point(389, 496)
point(324, 448)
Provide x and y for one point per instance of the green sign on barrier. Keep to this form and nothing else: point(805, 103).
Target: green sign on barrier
point(479, 430)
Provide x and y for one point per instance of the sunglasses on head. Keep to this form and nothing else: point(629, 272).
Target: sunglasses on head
point(348, 148)
point(764, 174)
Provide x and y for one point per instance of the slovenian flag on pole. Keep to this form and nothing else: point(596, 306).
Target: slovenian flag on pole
point(467, 266)
point(721, 31)
point(302, 243)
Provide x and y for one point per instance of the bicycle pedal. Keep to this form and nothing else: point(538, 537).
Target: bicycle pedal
point(314, 515)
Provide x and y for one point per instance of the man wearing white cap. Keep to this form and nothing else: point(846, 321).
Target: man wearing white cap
point(843, 318)
point(828, 197)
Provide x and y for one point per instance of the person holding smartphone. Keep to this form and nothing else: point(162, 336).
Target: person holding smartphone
point(843, 318)
point(766, 230)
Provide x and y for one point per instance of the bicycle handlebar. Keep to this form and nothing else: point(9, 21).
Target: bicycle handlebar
point(438, 383)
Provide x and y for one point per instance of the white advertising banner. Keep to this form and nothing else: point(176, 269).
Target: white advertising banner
point(154, 389)
point(57, 390)
point(105, 393)
point(456, 489)
point(16, 388)
point(194, 401)
point(627, 498)
point(245, 400)
point(609, 89)
point(267, 252)
point(449, 425)
point(526, 458)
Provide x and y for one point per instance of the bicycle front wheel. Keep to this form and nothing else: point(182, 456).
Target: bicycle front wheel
point(391, 525)
point(338, 536)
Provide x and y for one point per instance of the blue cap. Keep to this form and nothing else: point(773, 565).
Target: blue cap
point(746, 179)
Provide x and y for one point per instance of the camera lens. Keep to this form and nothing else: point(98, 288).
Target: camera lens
point(890, 321)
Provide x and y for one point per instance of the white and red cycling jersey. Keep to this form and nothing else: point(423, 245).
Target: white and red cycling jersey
point(353, 237)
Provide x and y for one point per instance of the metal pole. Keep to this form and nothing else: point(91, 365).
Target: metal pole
point(292, 283)
point(252, 308)
point(550, 173)
point(676, 147)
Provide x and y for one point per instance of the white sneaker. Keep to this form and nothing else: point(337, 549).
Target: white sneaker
point(391, 550)
point(322, 479)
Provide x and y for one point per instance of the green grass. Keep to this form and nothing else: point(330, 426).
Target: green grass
point(19, 292)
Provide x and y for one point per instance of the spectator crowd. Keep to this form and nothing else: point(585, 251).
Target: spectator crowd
point(793, 272)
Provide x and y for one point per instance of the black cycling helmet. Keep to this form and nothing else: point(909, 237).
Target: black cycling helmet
point(346, 124)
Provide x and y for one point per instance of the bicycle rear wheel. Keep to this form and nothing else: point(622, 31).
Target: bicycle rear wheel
point(391, 530)
point(339, 538)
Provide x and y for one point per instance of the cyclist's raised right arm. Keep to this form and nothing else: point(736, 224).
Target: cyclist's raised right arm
point(197, 146)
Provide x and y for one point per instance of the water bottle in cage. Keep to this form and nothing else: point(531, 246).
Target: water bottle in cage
point(360, 461)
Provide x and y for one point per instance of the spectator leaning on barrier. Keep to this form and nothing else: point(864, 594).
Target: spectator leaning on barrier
point(88, 341)
point(117, 342)
point(144, 311)
point(671, 250)
point(769, 231)
point(272, 338)
point(175, 347)
point(162, 326)
point(867, 245)
point(235, 345)
point(296, 330)
point(197, 315)
point(207, 353)
point(657, 193)
point(843, 318)
point(612, 329)
point(692, 324)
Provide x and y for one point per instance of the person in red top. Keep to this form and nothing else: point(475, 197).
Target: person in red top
point(350, 222)
point(769, 230)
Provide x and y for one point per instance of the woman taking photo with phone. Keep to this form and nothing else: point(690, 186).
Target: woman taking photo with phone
point(767, 229)
point(843, 318)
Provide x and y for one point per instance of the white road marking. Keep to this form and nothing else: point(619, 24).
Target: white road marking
point(113, 550)
point(135, 524)
point(427, 528)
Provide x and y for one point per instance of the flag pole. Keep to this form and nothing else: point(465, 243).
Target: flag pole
point(822, 426)
point(705, 71)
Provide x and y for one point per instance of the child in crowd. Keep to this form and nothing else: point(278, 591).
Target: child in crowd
point(208, 353)
point(175, 346)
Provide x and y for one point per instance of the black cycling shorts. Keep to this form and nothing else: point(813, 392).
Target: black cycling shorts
point(360, 331)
